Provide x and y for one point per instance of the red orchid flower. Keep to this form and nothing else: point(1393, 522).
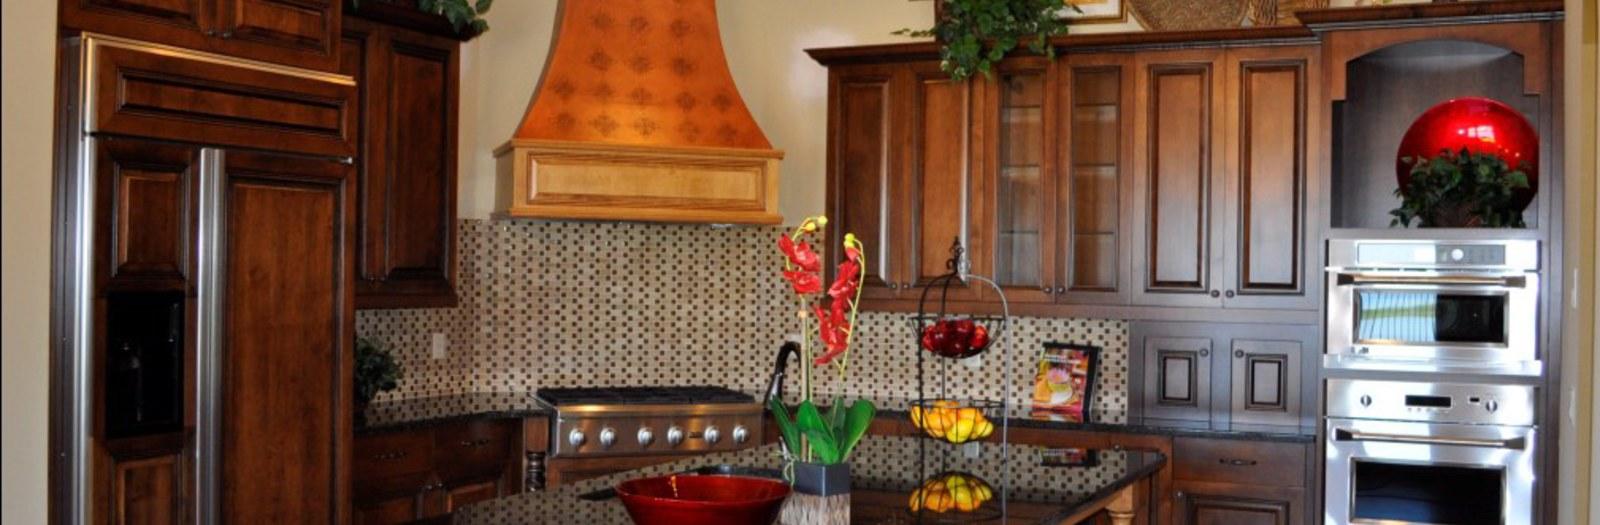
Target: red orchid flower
point(804, 283)
point(834, 330)
point(800, 254)
point(844, 286)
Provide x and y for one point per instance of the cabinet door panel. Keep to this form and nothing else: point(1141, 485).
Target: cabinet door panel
point(148, 490)
point(1268, 179)
point(861, 188)
point(408, 169)
point(298, 32)
point(1018, 212)
point(1201, 509)
point(1266, 382)
point(1178, 165)
point(146, 201)
point(394, 511)
point(285, 357)
point(938, 181)
point(1177, 378)
point(471, 493)
point(1096, 161)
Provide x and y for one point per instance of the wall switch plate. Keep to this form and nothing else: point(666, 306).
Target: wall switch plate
point(974, 362)
point(440, 346)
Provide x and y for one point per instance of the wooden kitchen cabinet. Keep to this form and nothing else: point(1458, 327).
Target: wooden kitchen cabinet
point(424, 472)
point(299, 33)
point(1222, 161)
point(1225, 481)
point(146, 200)
point(899, 172)
point(1226, 373)
point(409, 88)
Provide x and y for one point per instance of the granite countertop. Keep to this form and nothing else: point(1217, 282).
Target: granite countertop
point(408, 413)
point(1033, 483)
point(400, 414)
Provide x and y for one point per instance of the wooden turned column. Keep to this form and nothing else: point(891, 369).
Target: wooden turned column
point(1121, 509)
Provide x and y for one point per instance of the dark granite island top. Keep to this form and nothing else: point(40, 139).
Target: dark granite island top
point(1030, 484)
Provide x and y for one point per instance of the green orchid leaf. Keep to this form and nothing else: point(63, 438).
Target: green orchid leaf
point(836, 417)
point(786, 426)
point(856, 424)
point(821, 437)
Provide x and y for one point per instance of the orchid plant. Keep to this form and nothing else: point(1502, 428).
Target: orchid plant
point(831, 315)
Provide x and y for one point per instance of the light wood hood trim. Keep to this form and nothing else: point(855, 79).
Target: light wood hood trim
point(593, 181)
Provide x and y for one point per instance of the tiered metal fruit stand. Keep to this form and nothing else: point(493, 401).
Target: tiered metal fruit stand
point(959, 427)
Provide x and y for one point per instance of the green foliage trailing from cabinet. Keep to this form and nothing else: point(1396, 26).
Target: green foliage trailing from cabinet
point(465, 15)
point(1460, 189)
point(979, 33)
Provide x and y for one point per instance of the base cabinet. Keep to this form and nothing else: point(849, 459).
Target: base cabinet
point(1201, 503)
point(428, 472)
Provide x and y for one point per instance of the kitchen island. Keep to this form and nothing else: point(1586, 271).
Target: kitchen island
point(1030, 484)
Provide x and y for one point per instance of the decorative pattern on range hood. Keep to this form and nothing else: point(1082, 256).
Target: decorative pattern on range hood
point(637, 118)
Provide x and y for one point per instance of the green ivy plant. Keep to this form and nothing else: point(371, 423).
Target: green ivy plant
point(465, 15)
point(978, 33)
point(376, 369)
point(1457, 189)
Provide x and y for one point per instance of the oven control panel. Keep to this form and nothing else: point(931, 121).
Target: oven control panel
point(1416, 254)
point(1435, 402)
point(653, 432)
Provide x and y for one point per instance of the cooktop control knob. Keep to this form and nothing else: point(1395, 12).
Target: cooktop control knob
point(740, 434)
point(713, 435)
point(608, 437)
point(646, 437)
point(576, 437)
point(1491, 405)
point(674, 435)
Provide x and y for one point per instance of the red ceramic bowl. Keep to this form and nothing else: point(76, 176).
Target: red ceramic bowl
point(693, 500)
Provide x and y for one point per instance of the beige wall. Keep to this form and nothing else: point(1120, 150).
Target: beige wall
point(29, 68)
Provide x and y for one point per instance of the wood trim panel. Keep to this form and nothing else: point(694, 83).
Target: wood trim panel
point(300, 32)
point(567, 180)
point(939, 178)
point(1531, 40)
point(151, 91)
point(146, 194)
point(862, 104)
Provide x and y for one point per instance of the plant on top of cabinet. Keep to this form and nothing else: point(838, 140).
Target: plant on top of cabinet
point(978, 33)
point(465, 16)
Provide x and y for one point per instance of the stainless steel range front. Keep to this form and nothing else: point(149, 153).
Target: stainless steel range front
point(1434, 306)
point(635, 421)
point(1430, 453)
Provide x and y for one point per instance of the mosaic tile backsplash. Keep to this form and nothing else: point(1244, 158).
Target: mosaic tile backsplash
point(577, 303)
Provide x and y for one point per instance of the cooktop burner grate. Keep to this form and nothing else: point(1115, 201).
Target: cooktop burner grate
point(643, 395)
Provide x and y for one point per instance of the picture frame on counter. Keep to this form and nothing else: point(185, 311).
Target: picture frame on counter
point(1064, 384)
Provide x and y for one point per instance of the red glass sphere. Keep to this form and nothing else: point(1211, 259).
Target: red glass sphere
point(1479, 124)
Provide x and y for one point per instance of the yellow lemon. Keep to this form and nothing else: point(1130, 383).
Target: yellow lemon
point(962, 431)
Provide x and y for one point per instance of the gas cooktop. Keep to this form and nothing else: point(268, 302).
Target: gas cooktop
point(642, 395)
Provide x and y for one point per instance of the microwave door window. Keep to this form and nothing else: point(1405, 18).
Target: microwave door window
point(1434, 494)
point(1429, 317)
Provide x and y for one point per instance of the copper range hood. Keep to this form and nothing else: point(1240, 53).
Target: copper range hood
point(637, 118)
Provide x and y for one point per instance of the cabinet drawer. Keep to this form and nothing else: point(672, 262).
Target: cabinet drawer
point(384, 456)
point(1237, 461)
point(472, 449)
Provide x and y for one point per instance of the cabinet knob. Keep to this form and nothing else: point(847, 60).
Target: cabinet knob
point(1238, 353)
point(1215, 293)
point(1061, 290)
point(1047, 289)
point(1205, 352)
point(1237, 462)
point(894, 286)
point(1228, 294)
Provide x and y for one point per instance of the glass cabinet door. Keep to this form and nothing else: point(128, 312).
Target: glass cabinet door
point(1094, 159)
point(1023, 211)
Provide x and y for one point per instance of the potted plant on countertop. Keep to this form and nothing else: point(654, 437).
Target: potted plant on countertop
point(817, 445)
point(376, 371)
point(1461, 189)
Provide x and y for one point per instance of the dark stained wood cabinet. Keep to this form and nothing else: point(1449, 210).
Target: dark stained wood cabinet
point(285, 378)
point(299, 33)
point(146, 197)
point(408, 108)
point(426, 472)
point(1260, 374)
point(1225, 481)
point(900, 172)
point(1223, 157)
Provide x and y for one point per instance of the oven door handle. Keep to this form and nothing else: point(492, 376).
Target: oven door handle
point(1465, 281)
point(1516, 443)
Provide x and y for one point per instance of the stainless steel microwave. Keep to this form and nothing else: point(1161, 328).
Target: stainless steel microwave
point(1427, 305)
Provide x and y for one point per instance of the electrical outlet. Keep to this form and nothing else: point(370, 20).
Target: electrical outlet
point(440, 346)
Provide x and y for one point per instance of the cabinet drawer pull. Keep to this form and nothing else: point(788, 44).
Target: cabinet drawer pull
point(475, 443)
point(390, 456)
point(1237, 462)
point(1228, 294)
point(1215, 293)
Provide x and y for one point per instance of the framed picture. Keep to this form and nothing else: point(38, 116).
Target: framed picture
point(1093, 11)
point(1063, 387)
